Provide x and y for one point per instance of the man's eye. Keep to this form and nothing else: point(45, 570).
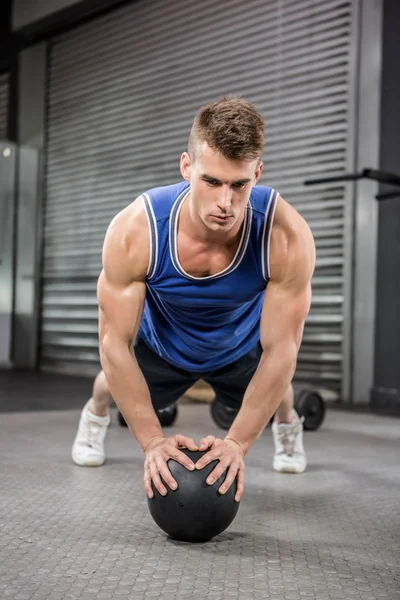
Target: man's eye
point(238, 186)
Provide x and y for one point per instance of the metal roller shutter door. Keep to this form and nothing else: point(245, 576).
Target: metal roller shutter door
point(123, 90)
point(3, 105)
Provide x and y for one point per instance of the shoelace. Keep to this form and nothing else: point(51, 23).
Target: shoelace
point(94, 429)
point(287, 436)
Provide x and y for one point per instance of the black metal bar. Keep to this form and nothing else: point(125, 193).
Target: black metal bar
point(381, 176)
point(347, 177)
point(388, 195)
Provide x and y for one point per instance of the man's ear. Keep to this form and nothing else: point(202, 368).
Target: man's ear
point(258, 171)
point(186, 166)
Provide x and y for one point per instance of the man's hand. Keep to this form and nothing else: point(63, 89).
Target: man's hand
point(158, 452)
point(230, 456)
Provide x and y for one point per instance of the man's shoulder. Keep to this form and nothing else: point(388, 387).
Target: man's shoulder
point(292, 241)
point(263, 189)
point(166, 192)
point(155, 201)
point(262, 196)
point(126, 245)
point(159, 201)
point(289, 218)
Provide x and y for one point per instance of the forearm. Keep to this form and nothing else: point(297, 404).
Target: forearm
point(130, 392)
point(263, 395)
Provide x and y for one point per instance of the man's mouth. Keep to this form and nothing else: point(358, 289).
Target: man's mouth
point(221, 217)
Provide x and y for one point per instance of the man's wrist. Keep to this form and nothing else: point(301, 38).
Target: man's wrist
point(153, 442)
point(243, 450)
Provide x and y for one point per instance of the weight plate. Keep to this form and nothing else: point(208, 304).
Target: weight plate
point(310, 405)
point(223, 415)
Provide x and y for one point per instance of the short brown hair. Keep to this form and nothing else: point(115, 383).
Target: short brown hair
point(232, 126)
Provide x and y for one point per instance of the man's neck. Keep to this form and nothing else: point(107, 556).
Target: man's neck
point(191, 224)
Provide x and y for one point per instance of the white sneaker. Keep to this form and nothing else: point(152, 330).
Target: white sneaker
point(289, 454)
point(88, 446)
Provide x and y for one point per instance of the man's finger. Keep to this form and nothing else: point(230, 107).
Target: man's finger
point(186, 442)
point(206, 442)
point(166, 473)
point(181, 458)
point(229, 479)
point(218, 471)
point(155, 476)
point(147, 482)
point(240, 484)
point(209, 457)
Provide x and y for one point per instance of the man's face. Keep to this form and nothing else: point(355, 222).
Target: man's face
point(220, 188)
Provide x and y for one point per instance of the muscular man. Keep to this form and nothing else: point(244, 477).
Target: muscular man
point(205, 279)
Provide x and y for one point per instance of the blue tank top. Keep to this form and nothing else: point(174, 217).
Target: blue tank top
point(204, 323)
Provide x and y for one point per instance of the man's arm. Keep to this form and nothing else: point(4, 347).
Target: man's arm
point(286, 304)
point(121, 294)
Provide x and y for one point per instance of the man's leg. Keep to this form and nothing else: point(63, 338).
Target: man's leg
point(88, 446)
point(101, 400)
point(285, 412)
point(166, 384)
point(287, 431)
point(230, 384)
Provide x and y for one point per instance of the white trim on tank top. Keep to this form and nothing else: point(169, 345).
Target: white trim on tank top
point(272, 202)
point(153, 258)
point(173, 242)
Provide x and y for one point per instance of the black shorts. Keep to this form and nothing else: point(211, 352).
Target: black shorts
point(167, 383)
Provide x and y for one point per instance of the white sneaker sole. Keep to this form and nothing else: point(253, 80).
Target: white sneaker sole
point(94, 462)
point(293, 470)
point(297, 470)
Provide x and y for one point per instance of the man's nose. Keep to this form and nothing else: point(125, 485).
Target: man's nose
point(225, 197)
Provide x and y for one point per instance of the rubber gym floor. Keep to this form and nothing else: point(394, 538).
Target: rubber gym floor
point(68, 532)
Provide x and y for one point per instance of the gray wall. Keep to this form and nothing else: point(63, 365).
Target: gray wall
point(8, 159)
point(31, 127)
point(367, 126)
point(385, 395)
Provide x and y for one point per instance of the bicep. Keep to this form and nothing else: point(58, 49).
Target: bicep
point(120, 310)
point(287, 298)
point(121, 287)
point(283, 314)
